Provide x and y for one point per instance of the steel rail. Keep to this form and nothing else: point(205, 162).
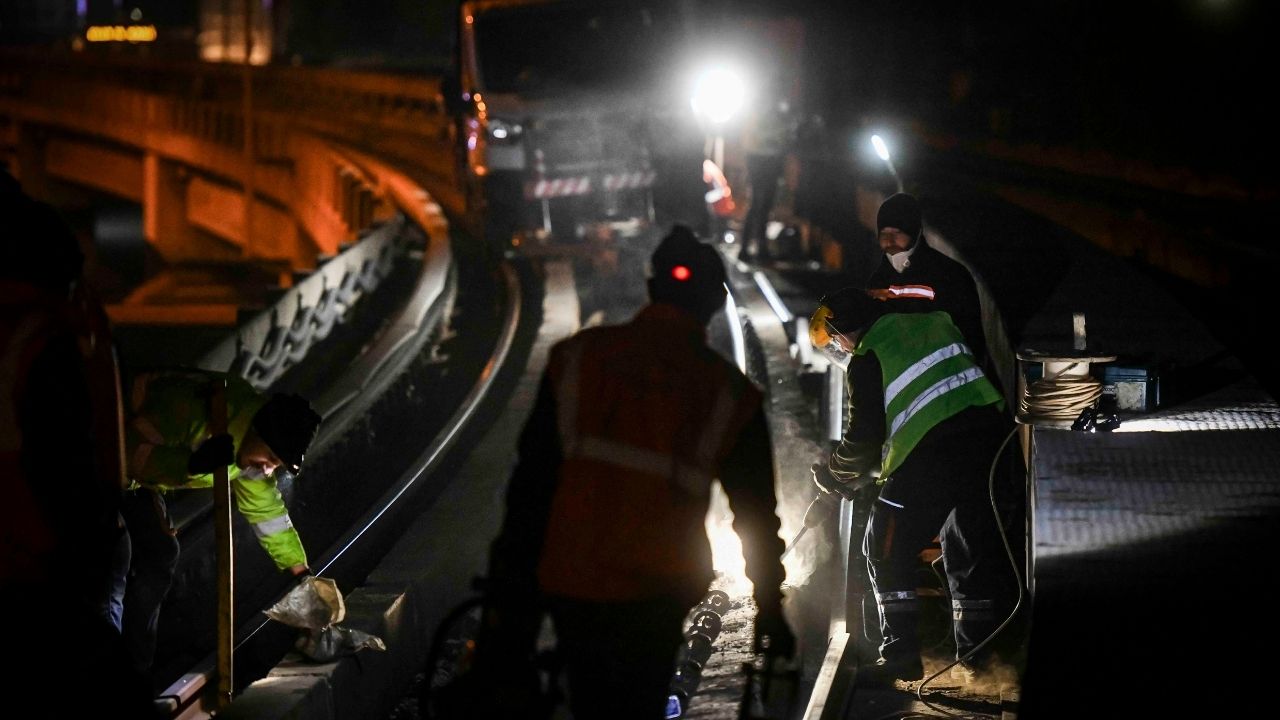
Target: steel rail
point(189, 697)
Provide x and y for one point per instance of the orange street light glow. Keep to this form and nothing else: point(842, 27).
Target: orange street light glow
point(120, 33)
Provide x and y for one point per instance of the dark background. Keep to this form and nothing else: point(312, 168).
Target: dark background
point(1173, 81)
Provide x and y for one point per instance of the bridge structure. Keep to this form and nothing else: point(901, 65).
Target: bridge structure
point(322, 157)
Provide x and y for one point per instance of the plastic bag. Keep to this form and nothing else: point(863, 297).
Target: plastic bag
point(316, 607)
point(333, 642)
point(314, 604)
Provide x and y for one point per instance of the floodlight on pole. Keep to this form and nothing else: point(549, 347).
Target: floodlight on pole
point(882, 150)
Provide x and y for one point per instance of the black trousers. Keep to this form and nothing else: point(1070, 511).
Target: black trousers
point(146, 571)
point(941, 490)
point(619, 657)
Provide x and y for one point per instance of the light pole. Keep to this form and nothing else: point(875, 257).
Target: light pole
point(883, 151)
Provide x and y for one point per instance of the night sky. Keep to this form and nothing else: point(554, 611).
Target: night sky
point(1174, 81)
point(1179, 82)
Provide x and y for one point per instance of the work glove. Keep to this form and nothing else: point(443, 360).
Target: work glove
point(773, 637)
point(829, 484)
point(823, 507)
point(218, 451)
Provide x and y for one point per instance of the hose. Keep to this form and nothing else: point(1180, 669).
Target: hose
point(1013, 563)
point(1058, 398)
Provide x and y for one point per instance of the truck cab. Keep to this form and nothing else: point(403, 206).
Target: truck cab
point(574, 122)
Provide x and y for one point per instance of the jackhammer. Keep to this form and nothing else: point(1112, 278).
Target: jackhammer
point(821, 509)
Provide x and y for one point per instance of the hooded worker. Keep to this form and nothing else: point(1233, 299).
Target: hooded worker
point(915, 277)
point(606, 509)
point(925, 426)
point(171, 446)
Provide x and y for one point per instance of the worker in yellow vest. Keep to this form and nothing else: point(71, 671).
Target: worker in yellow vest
point(925, 425)
point(170, 447)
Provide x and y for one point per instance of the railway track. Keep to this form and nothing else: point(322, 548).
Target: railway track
point(365, 476)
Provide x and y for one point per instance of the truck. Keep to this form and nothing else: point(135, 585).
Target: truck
point(574, 120)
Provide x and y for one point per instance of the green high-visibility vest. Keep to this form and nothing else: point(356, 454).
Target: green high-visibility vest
point(169, 419)
point(928, 374)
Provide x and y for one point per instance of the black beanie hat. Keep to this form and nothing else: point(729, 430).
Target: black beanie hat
point(287, 424)
point(900, 211)
point(686, 271)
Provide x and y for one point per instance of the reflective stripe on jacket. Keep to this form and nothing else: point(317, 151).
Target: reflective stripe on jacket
point(646, 415)
point(169, 419)
point(928, 375)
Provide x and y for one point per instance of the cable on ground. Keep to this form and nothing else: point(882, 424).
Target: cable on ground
point(1004, 538)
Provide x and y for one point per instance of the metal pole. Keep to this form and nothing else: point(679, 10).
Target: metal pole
point(222, 500)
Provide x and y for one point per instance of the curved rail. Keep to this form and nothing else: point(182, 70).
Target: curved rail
point(354, 553)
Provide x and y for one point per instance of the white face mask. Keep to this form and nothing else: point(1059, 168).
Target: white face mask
point(253, 472)
point(901, 261)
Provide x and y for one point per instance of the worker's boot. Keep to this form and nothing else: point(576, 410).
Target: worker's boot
point(900, 646)
point(883, 672)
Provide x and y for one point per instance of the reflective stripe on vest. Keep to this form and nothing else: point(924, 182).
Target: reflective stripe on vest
point(920, 367)
point(694, 478)
point(934, 392)
point(928, 375)
point(274, 526)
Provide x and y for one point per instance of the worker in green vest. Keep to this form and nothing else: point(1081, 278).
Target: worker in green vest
point(924, 423)
point(170, 447)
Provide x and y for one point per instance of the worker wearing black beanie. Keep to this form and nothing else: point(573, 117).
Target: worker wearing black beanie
point(902, 212)
point(915, 277)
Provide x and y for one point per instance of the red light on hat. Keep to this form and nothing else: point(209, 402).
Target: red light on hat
point(681, 273)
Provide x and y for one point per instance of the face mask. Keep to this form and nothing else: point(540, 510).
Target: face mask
point(253, 472)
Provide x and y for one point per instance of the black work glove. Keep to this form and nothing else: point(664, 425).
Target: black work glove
point(823, 507)
point(831, 485)
point(218, 451)
point(773, 637)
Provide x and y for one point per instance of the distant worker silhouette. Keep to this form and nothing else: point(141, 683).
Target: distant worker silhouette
point(766, 140)
point(605, 514)
point(171, 448)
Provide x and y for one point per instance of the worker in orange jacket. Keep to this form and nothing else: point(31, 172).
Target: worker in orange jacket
point(606, 509)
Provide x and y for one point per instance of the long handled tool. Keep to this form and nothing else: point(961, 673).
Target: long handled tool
point(222, 509)
point(823, 506)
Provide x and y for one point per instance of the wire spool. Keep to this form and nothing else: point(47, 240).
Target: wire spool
point(1064, 390)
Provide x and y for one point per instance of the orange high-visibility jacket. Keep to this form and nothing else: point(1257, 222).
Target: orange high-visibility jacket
point(646, 415)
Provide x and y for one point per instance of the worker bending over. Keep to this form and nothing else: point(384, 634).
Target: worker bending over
point(170, 446)
point(925, 423)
